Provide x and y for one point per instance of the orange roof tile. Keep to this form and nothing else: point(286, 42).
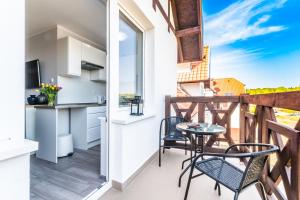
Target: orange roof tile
point(199, 71)
point(228, 86)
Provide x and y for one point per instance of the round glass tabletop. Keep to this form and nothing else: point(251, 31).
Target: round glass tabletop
point(201, 128)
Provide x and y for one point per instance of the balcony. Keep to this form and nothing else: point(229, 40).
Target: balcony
point(258, 124)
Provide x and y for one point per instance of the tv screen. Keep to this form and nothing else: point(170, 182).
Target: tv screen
point(32, 72)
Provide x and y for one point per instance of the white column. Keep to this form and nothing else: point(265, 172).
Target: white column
point(14, 150)
point(113, 81)
point(12, 63)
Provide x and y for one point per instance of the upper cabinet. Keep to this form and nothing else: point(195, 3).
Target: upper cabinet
point(93, 55)
point(97, 57)
point(71, 54)
point(69, 57)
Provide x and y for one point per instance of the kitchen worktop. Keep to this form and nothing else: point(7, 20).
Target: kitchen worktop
point(64, 106)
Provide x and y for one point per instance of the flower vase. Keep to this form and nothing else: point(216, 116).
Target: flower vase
point(51, 99)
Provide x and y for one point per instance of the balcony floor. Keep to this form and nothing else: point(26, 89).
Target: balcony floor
point(155, 183)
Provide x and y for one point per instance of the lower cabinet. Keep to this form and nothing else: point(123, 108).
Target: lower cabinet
point(86, 127)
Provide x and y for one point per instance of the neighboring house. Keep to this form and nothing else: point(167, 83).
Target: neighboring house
point(228, 87)
point(131, 141)
point(193, 78)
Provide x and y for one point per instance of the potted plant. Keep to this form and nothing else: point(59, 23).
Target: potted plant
point(50, 90)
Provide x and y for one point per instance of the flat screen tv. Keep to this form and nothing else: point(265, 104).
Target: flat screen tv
point(32, 74)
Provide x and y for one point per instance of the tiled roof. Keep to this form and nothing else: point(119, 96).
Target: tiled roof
point(228, 86)
point(199, 71)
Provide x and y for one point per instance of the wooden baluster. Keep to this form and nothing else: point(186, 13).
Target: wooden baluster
point(201, 112)
point(243, 108)
point(167, 106)
point(295, 169)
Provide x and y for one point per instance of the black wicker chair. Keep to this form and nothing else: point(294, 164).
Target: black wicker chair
point(171, 135)
point(224, 173)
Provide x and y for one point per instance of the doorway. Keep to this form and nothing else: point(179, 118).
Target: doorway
point(66, 45)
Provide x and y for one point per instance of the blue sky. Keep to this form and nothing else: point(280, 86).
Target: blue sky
point(255, 41)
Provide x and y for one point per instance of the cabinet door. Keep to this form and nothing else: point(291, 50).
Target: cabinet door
point(93, 55)
point(69, 57)
point(74, 57)
point(93, 134)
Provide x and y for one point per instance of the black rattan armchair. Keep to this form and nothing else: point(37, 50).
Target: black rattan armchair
point(224, 173)
point(169, 135)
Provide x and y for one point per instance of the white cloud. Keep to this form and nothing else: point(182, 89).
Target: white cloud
point(241, 20)
point(228, 58)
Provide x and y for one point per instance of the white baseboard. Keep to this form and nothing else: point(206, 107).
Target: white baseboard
point(121, 186)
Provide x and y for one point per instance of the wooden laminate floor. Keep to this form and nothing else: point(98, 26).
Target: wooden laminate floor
point(72, 178)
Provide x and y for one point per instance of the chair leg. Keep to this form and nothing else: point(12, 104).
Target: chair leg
point(236, 196)
point(159, 156)
point(262, 190)
point(189, 182)
point(164, 150)
point(185, 147)
point(217, 186)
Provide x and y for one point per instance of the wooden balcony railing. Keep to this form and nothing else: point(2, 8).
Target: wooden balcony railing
point(260, 126)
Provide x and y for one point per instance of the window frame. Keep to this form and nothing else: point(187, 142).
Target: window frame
point(132, 20)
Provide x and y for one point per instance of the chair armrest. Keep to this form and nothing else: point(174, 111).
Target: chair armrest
point(224, 155)
point(272, 148)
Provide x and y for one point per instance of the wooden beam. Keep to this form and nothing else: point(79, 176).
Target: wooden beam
point(287, 100)
point(188, 31)
point(174, 12)
point(199, 9)
point(175, 19)
point(164, 14)
point(180, 51)
point(154, 4)
point(169, 2)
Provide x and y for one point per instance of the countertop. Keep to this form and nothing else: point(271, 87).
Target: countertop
point(10, 149)
point(64, 106)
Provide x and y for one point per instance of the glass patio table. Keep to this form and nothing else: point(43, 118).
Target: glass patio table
point(199, 130)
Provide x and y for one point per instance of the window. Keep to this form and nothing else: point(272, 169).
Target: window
point(130, 61)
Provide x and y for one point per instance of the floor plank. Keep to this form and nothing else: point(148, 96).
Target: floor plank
point(71, 178)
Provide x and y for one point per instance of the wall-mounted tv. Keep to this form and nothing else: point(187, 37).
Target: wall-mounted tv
point(32, 74)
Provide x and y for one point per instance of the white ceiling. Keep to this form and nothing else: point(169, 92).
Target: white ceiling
point(86, 18)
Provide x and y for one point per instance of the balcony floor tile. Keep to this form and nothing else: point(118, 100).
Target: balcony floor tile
point(155, 183)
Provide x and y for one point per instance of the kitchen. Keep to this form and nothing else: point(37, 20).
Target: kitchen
point(69, 61)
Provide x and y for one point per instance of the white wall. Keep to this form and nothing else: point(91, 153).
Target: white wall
point(79, 89)
point(12, 59)
point(14, 172)
point(160, 80)
point(43, 47)
point(192, 88)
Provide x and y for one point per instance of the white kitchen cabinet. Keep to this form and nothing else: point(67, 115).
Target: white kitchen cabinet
point(30, 123)
point(69, 51)
point(86, 127)
point(93, 55)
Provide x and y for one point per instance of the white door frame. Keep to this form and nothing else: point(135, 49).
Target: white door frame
point(97, 193)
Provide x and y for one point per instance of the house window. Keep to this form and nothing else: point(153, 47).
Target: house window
point(130, 61)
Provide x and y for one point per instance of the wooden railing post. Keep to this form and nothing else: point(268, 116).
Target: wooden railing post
point(167, 106)
point(243, 109)
point(262, 124)
point(295, 162)
point(295, 169)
